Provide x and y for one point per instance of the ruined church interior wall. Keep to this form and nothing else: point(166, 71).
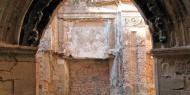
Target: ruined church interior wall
point(105, 46)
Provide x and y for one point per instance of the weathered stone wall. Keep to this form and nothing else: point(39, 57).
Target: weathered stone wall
point(175, 13)
point(17, 70)
point(172, 69)
point(169, 20)
point(53, 74)
point(86, 37)
point(79, 37)
point(89, 77)
point(173, 57)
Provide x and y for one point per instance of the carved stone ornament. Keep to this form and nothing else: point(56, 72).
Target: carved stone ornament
point(133, 21)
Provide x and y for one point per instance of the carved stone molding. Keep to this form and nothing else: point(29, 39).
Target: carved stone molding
point(171, 51)
point(17, 53)
point(87, 16)
point(133, 21)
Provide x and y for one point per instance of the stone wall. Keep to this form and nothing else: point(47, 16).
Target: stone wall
point(17, 70)
point(92, 35)
point(169, 24)
point(89, 77)
point(172, 71)
point(79, 45)
point(77, 37)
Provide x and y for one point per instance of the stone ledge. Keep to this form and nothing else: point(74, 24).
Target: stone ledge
point(87, 15)
point(16, 53)
point(62, 55)
point(12, 49)
point(171, 51)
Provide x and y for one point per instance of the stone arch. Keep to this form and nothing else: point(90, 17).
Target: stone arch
point(157, 18)
point(39, 13)
point(36, 19)
point(167, 19)
point(161, 16)
point(117, 84)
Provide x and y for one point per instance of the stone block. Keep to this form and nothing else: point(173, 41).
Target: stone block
point(170, 92)
point(172, 83)
point(4, 75)
point(7, 66)
point(25, 78)
point(185, 92)
point(6, 88)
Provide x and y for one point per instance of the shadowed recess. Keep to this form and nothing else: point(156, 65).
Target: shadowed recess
point(35, 21)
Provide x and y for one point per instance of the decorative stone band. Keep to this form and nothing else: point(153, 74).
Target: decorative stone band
point(62, 55)
point(171, 51)
point(132, 21)
point(17, 53)
point(87, 15)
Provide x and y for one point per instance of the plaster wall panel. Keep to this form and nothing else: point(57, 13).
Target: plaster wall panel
point(86, 38)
